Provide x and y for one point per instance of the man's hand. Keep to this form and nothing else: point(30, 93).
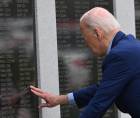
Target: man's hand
point(50, 99)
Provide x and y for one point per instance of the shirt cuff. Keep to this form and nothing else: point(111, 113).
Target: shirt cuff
point(71, 99)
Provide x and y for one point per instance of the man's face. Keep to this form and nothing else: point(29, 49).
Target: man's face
point(94, 41)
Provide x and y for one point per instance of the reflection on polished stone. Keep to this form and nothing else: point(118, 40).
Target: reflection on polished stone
point(14, 100)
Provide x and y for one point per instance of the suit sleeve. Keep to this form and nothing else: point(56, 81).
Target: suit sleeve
point(115, 77)
point(83, 96)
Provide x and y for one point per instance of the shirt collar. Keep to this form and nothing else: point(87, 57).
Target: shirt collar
point(110, 45)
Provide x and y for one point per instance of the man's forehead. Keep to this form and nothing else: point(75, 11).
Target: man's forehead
point(84, 26)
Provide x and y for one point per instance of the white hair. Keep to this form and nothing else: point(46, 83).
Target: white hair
point(100, 17)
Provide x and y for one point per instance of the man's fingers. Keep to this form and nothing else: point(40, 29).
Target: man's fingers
point(38, 93)
point(36, 89)
point(43, 105)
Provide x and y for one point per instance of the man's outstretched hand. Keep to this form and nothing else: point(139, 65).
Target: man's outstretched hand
point(50, 99)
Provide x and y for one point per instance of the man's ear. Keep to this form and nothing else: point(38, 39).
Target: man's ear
point(99, 33)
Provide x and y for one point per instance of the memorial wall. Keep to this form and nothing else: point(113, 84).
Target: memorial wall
point(137, 18)
point(78, 67)
point(18, 68)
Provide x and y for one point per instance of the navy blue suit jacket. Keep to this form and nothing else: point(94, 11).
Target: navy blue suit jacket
point(120, 83)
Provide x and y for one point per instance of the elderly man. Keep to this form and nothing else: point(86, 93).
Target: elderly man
point(121, 69)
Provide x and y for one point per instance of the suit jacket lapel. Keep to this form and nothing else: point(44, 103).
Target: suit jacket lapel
point(119, 36)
